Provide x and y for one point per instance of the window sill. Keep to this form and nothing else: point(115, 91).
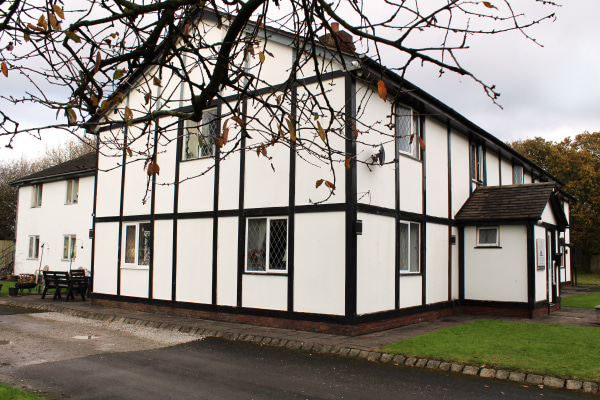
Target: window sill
point(32, 259)
point(487, 247)
point(136, 267)
point(198, 158)
point(403, 273)
point(268, 273)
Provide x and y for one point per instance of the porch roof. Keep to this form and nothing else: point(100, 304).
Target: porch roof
point(511, 203)
point(81, 166)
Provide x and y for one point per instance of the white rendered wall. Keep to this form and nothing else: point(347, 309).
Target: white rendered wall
point(437, 263)
point(319, 265)
point(162, 260)
point(194, 260)
point(548, 215)
point(411, 290)
point(497, 274)
point(376, 264)
point(436, 160)
point(411, 184)
point(454, 249)
point(227, 264)
point(51, 222)
point(109, 179)
point(492, 168)
point(541, 281)
point(106, 257)
point(264, 291)
point(166, 158)
point(229, 179)
point(460, 171)
point(134, 282)
point(507, 172)
point(196, 187)
point(136, 177)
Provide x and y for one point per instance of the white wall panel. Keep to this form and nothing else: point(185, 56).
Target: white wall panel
point(507, 172)
point(265, 291)
point(167, 161)
point(411, 185)
point(227, 264)
point(460, 171)
point(436, 156)
point(194, 260)
point(541, 287)
point(376, 264)
point(162, 260)
point(106, 257)
point(411, 289)
point(109, 179)
point(196, 187)
point(134, 282)
point(492, 168)
point(437, 263)
point(319, 266)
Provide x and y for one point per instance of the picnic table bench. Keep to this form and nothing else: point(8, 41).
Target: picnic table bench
point(75, 282)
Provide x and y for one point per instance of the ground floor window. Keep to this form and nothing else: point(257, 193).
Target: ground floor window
point(409, 238)
point(34, 247)
point(69, 247)
point(488, 236)
point(266, 245)
point(138, 243)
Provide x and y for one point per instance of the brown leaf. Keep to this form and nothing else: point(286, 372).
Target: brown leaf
point(98, 61)
point(156, 81)
point(292, 129)
point(118, 97)
point(279, 100)
point(187, 29)
point(34, 28)
point(422, 144)
point(148, 97)
point(225, 134)
point(411, 138)
point(94, 101)
point(238, 120)
point(263, 150)
point(42, 22)
point(153, 168)
point(489, 5)
point(250, 49)
point(355, 130)
point(258, 151)
point(59, 11)
point(128, 116)
point(53, 22)
point(319, 183)
point(71, 115)
point(330, 185)
point(347, 163)
point(316, 116)
point(321, 132)
point(27, 37)
point(382, 90)
point(73, 36)
point(261, 57)
point(280, 131)
point(4, 69)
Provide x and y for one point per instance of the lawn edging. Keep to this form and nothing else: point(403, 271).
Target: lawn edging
point(370, 355)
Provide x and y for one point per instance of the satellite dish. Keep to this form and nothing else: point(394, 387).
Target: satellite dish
point(381, 155)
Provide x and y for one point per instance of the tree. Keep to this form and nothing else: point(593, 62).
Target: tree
point(11, 171)
point(576, 162)
point(73, 58)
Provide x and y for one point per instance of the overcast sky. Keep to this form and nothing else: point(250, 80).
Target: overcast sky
point(551, 91)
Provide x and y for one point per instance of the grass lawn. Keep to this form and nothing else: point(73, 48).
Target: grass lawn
point(11, 393)
point(564, 351)
point(588, 279)
point(590, 300)
point(4, 291)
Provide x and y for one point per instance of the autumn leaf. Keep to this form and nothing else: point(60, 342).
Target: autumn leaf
point(355, 130)
point(71, 115)
point(73, 36)
point(187, 29)
point(148, 97)
point(292, 129)
point(128, 116)
point(42, 22)
point(156, 81)
point(280, 131)
point(58, 11)
point(53, 22)
point(27, 37)
point(316, 116)
point(153, 168)
point(4, 69)
point(225, 134)
point(319, 183)
point(263, 150)
point(98, 61)
point(382, 90)
point(261, 57)
point(489, 5)
point(94, 101)
point(347, 163)
point(238, 120)
point(321, 132)
point(330, 185)
point(250, 49)
point(422, 144)
point(129, 152)
point(119, 74)
point(411, 138)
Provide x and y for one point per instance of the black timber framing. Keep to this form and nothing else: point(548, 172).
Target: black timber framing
point(291, 210)
point(215, 223)
point(178, 157)
point(152, 213)
point(241, 259)
point(449, 150)
point(531, 268)
point(423, 239)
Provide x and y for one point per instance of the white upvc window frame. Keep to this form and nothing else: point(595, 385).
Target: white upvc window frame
point(33, 252)
point(69, 247)
point(36, 195)
point(410, 258)
point(255, 255)
point(72, 196)
point(198, 137)
point(488, 242)
point(518, 175)
point(407, 130)
point(133, 255)
point(476, 161)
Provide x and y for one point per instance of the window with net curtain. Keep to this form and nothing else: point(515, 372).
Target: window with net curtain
point(138, 243)
point(198, 139)
point(407, 131)
point(266, 247)
point(409, 237)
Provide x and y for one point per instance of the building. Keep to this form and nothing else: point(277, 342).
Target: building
point(54, 217)
point(240, 237)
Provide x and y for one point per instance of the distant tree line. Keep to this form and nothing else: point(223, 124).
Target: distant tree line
point(576, 162)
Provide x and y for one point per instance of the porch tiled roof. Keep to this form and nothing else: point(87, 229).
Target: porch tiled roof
point(506, 203)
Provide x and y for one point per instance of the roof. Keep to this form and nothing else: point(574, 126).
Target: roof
point(511, 203)
point(81, 166)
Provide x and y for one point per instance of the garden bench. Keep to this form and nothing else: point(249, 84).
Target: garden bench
point(58, 280)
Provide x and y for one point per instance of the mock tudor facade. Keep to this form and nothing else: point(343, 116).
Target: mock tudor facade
point(244, 239)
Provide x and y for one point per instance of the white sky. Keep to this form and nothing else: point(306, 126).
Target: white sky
point(551, 91)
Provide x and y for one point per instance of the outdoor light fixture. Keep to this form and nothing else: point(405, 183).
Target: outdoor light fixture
point(358, 227)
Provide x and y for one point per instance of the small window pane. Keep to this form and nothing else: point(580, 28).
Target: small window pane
point(69, 191)
point(73, 247)
point(415, 248)
point(403, 128)
point(65, 248)
point(403, 238)
point(192, 142)
point(278, 244)
point(75, 190)
point(130, 244)
point(210, 130)
point(257, 234)
point(145, 244)
point(488, 236)
point(34, 246)
point(517, 175)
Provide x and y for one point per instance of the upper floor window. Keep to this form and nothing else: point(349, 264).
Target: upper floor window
point(69, 247)
point(517, 174)
point(138, 243)
point(34, 247)
point(72, 191)
point(476, 160)
point(36, 195)
point(408, 131)
point(488, 236)
point(409, 237)
point(198, 141)
point(266, 249)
